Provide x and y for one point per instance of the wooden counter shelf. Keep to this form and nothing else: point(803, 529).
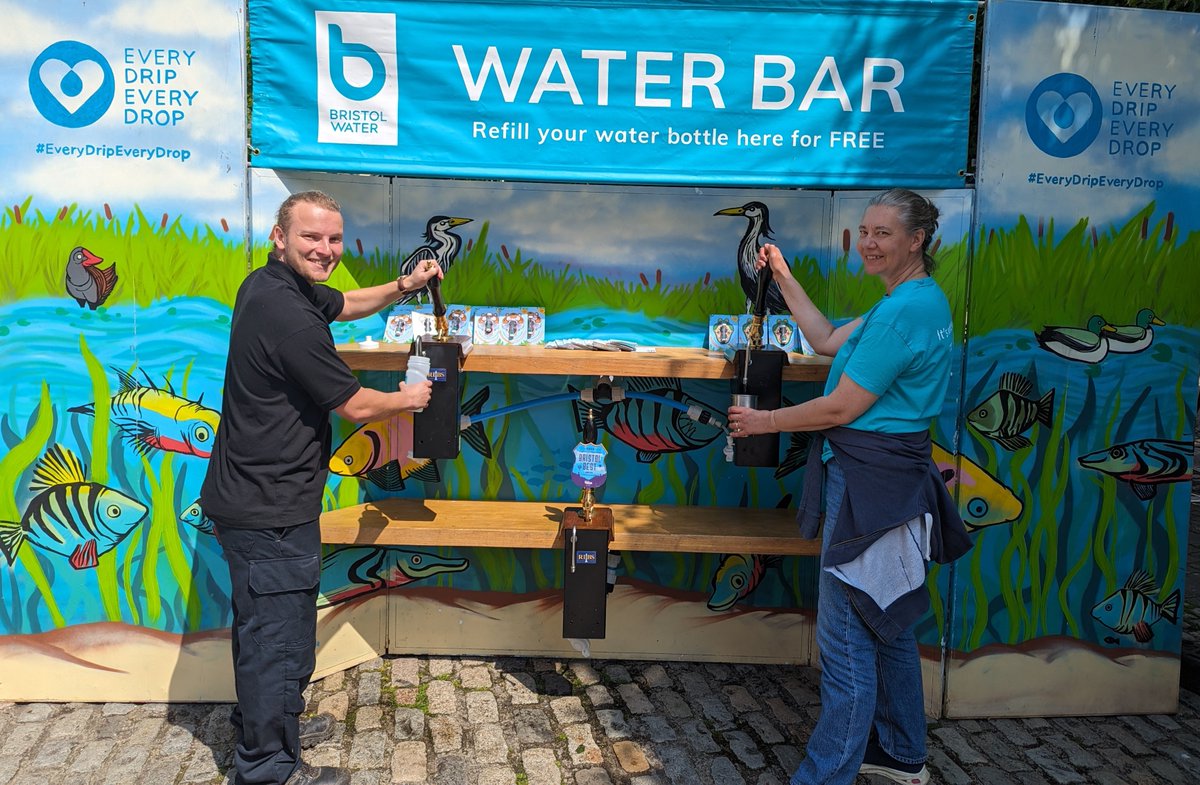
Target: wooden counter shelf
point(500, 524)
point(679, 362)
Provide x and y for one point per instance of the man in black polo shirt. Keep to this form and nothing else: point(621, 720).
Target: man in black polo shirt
point(267, 474)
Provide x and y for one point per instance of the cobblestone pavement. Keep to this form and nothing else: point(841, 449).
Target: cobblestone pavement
point(467, 721)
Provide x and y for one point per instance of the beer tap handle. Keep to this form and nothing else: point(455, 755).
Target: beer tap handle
point(760, 295)
point(590, 435)
point(439, 307)
point(435, 293)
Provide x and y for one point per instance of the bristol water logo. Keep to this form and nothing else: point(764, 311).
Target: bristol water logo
point(1063, 115)
point(71, 84)
point(357, 90)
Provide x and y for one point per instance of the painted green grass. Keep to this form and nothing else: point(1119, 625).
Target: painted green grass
point(500, 277)
point(1025, 277)
point(1031, 276)
point(155, 258)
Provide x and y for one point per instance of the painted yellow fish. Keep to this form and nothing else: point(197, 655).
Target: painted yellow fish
point(381, 451)
point(982, 499)
point(152, 418)
point(736, 577)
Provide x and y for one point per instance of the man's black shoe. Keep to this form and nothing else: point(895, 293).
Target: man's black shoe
point(318, 775)
point(315, 730)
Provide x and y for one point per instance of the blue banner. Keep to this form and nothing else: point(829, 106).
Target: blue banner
point(815, 93)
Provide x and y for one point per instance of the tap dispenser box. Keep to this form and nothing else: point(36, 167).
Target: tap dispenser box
point(435, 428)
point(763, 378)
point(585, 572)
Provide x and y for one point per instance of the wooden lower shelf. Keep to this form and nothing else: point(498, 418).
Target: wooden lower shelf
point(495, 524)
point(679, 362)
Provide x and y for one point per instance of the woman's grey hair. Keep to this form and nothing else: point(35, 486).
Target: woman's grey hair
point(915, 212)
point(283, 216)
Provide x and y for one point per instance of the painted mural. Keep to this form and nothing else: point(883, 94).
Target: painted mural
point(1081, 362)
point(1066, 439)
point(122, 237)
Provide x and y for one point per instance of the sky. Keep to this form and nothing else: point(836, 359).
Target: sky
point(1107, 47)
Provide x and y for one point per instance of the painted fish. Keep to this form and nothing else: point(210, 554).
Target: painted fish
point(1131, 610)
point(1010, 411)
point(736, 576)
point(70, 516)
point(152, 418)
point(982, 499)
point(379, 451)
point(651, 427)
point(348, 573)
point(1144, 463)
point(194, 516)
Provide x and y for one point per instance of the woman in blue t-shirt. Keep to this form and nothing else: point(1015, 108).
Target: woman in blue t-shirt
point(885, 504)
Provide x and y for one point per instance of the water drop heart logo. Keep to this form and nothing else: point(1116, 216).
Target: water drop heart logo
point(71, 84)
point(1063, 115)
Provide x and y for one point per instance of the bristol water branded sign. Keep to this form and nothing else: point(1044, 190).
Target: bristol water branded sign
point(809, 93)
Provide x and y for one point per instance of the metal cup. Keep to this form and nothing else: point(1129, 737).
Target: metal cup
point(743, 399)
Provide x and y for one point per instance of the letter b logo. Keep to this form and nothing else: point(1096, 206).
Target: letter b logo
point(340, 52)
point(357, 93)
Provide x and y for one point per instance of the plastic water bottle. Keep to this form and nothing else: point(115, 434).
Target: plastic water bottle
point(418, 370)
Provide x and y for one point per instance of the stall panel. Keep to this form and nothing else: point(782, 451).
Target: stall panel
point(1080, 385)
point(123, 242)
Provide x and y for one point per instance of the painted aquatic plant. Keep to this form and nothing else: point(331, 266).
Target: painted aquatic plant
point(15, 464)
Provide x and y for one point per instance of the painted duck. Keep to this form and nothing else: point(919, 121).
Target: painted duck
point(1084, 344)
point(1129, 338)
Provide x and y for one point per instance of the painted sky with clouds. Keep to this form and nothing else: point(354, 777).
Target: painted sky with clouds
point(203, 190)
point(604, 230)
point(1103, 45)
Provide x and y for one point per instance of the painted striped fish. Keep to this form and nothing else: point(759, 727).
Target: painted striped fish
point(1010, 411)
point(153, 418)
point(194, 516)
point(651, 427)
point(1131, 609)
point(70, 516)
point(1144, 463)
point(348, 573)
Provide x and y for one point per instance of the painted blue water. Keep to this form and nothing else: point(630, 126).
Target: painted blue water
point(1123, 398)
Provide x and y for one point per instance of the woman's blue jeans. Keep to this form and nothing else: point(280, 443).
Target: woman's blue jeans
point(865, 683)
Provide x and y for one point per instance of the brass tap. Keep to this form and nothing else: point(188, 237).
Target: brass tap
point(588, 502)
